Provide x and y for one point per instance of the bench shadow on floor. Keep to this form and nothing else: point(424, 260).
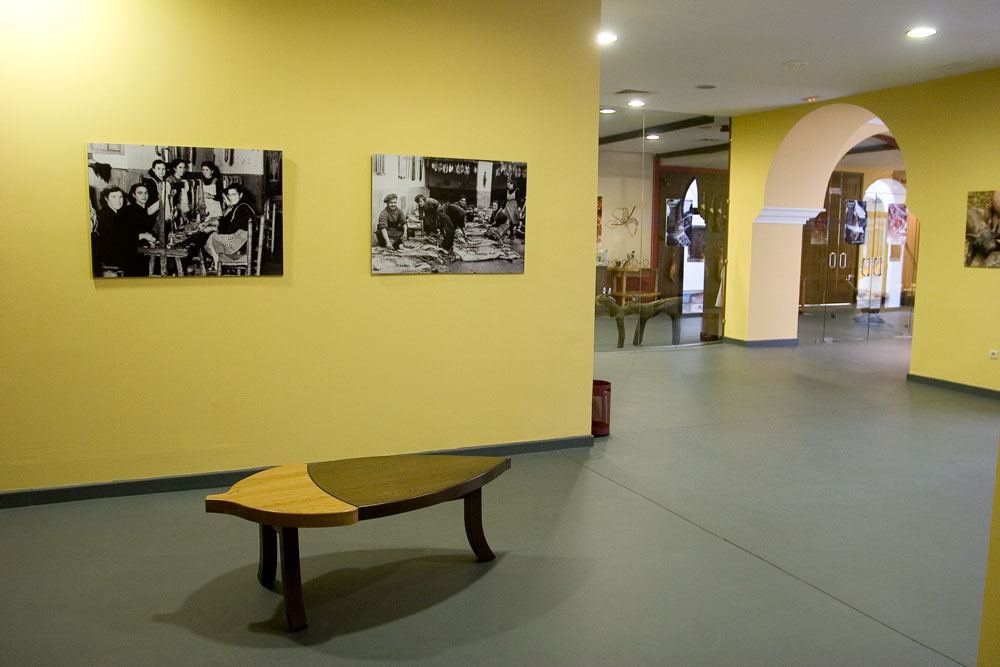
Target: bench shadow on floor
point(360, 590)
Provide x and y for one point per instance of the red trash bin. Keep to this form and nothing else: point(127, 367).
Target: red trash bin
point(600, 420)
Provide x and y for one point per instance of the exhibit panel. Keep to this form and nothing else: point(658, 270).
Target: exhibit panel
point(448, 215)
point(158, 210)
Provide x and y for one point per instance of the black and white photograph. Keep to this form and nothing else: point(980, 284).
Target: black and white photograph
point(184, 211)
point(447, 215)
point(855, 222)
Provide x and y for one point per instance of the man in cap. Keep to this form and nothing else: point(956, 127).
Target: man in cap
point(391, 228)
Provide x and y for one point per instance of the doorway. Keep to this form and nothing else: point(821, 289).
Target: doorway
point(857, 278)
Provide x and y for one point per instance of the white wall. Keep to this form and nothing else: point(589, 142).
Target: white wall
point(624, 181)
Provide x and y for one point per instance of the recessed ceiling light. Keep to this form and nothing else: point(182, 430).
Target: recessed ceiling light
point(652, 137)
point(608, 110)
point(918, 33)
point(705, 86)
point(811, 98)
point(606, 37)
point(792, 64)
point(636, 103)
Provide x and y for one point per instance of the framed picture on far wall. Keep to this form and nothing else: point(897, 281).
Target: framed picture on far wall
point(982, 229)
point(896, 226)
point(447, 215)
point(855, 222)
point(184, 211)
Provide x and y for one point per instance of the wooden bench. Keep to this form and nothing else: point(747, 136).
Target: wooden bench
point(339, 493)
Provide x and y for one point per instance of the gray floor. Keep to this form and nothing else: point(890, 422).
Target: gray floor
point(796, 506)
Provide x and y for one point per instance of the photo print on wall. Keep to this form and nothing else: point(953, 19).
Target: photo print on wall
point(855, 222)
point(184, 211)
point(982, 229)
point(447, 215)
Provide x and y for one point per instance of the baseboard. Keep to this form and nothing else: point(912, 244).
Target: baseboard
point(957, 386)
point(530, 447)
point(128, 487)
point(777, 342)
point(212, 480)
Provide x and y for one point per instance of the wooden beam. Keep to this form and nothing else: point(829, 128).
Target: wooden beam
point(657, 129)
point(701, 150)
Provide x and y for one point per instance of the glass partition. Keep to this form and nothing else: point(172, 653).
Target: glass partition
point(661, 243)
point(858, 272)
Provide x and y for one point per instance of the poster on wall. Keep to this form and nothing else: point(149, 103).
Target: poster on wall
point(982, 229)
point(820, 229)
point(680, 219)
point(855, 222)
point(184, 211)
point(600, 212)
point(896, 226)
point(447, 215)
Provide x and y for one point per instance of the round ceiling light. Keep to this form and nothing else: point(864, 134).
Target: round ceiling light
point(652, 137)
point(606, 37)
point(636, 103)
point(607, 110)
point(921, 32)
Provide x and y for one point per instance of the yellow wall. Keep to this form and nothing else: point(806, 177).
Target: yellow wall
point(989, 631)
point(946, 130)
point(108, 380)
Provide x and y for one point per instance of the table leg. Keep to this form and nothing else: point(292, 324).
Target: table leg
point(291, 579)
point(180, 266)
point(268, 556)
point(474, 526)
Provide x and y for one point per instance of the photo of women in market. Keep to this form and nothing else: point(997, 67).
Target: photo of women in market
point(447, 215)
point(188, 211)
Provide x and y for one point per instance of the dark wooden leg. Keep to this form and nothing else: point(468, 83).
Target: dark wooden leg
point(474, 526)
point(291, 579)
point(620, 321)
point(268, 556)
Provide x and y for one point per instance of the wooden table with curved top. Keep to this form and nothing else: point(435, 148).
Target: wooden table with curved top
point(339, 493)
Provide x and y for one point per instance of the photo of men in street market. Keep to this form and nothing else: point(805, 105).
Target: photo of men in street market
point(447, 215)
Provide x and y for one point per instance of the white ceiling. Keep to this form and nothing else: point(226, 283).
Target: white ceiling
point(670, 47)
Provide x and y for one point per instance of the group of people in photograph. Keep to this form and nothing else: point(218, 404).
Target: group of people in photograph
point(442, 221)
point(170, 207)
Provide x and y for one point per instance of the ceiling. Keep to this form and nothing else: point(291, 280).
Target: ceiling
point(769, 54)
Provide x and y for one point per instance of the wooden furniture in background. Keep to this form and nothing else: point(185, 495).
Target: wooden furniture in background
point(339, 493)
point(619, 278)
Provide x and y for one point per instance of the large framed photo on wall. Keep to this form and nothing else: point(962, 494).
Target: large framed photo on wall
point(448, 215)
point(982, 229)
point(184, 211)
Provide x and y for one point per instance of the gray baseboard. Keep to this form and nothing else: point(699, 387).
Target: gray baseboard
point(777, 342)
point(957, 386)
point(515, 448)
point(212, 480)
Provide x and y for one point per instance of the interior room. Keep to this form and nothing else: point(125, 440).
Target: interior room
point(804, 392)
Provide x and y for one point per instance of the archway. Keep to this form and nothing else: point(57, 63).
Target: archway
point(794, 192)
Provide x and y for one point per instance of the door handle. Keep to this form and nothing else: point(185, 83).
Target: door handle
point(833, 260)
point(843, 260)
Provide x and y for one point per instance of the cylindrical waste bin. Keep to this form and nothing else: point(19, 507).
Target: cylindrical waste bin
point(600, 420)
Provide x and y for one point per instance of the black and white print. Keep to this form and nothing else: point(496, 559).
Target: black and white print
point(855, 222)
point(184, 211)
point(448, 215)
